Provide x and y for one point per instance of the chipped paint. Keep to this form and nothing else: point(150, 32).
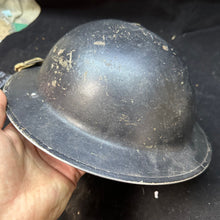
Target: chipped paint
point(165, 47)
point(148, 146)
point(131, 123)
point(70, 54)
point(114, 36)
point(60, 51)
point(124, 117)
point(54, 49)
point(137, 24)
point(173, 37)
point(99, 43)
point(54, 83)
point(63, 62)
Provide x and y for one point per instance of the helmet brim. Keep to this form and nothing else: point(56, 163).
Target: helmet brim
point(51, 132)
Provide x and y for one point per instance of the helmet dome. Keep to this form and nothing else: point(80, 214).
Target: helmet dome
point(121, 82)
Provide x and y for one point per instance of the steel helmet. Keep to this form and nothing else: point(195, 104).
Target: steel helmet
point(113, 99)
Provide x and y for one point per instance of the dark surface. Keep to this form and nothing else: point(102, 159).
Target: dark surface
point(197, 29)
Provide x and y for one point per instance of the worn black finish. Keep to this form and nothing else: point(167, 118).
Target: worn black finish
point(113, 99)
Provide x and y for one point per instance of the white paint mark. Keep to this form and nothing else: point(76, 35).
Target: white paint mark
point(156, 194)
point(173, 37)
point(34, 95)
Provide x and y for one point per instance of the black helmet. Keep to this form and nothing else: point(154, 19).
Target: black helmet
point(113, 99)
